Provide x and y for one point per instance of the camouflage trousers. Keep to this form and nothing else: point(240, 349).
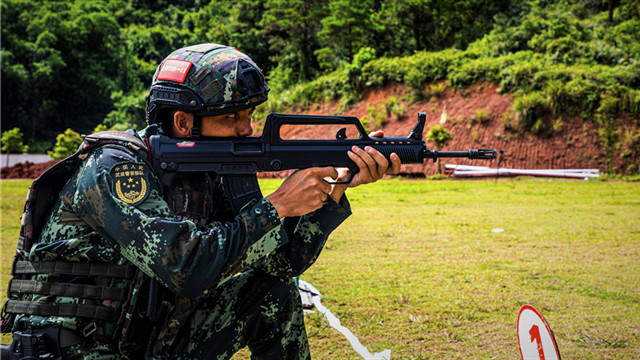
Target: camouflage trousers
point(253, 309)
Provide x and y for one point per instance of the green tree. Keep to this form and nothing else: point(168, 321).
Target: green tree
point(291, 27)
point(100, 128)
point(344, 31)
point(63, 60)
point(235, 23)
point(441, 137)
point(246, 32)
point(405, 26)
point(60, 64)
point(129, 112)
point(67, 143)
point(12, 142)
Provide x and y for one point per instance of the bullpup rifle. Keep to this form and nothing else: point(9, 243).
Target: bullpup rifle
point(238, 160)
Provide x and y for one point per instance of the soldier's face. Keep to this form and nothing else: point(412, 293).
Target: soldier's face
point(228, 125)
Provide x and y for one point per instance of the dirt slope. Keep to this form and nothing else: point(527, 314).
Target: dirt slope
point(573, 145)
point(25, 170)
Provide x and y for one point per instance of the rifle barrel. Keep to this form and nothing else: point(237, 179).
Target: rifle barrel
point(470, 154)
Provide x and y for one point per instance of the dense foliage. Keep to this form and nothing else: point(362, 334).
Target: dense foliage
point(76, 64)
point(553, 60)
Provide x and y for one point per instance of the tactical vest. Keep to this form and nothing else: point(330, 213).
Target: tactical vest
point(41, 198)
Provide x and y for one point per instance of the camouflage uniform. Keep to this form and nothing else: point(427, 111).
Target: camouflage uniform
point(202, 291)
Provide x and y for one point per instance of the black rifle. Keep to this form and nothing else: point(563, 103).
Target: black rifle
point(238, 160)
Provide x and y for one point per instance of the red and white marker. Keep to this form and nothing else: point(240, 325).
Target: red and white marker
point(535, 337)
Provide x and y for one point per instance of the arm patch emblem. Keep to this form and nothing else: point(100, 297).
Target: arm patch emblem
point(130, 182)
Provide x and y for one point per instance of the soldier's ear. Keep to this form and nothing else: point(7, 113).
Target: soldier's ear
point(182, 124)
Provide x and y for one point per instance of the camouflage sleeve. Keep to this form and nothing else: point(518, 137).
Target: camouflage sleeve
point(118, 196)
point(307, 237)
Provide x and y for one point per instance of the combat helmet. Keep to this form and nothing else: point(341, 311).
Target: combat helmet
point(206, 80)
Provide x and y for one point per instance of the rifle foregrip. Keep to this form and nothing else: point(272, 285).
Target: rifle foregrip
point(407, 154)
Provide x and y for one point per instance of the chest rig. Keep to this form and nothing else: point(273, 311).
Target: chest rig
point(41, 199)
point(199, 197)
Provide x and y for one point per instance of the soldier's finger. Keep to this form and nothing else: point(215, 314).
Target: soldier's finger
point(395, 164)
point(382, 164)
point(358, 156)
point(367, 157)
point(327, 171)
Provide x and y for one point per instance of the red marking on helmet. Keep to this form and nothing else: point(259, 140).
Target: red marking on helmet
point(174, 70)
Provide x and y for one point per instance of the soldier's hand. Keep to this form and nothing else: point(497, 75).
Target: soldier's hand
point(372, 166)
point(302, 192)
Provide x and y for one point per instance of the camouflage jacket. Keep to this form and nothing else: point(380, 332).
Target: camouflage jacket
point(112, 211)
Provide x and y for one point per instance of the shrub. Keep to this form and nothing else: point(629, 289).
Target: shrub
point(436, 89)
point(67, 143)
point(481, 116)
point(12, 141)
point(100, 128)
point(393, 107)
point(529, 110)
point(630, 143)
point(354, 70)
point(129, 112)
point(509, 121)
point(39, 146)
point(440, 137)
point(557, 125)
point(609, 105)
point(375, 119)
point(631, 103)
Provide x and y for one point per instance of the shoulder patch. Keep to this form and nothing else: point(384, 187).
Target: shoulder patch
point(130, 182)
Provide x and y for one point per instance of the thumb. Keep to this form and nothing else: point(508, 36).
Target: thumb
point(328, 171)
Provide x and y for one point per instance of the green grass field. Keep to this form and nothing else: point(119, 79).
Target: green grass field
point(417, 268)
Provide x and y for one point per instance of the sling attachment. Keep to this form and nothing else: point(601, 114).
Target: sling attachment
point(241, 189)
point(89, 329)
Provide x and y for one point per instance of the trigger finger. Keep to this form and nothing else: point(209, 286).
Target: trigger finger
point(325, 187)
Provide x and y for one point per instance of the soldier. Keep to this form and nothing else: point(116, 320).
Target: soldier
point(125, 267)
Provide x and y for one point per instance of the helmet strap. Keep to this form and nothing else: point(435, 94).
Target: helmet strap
point(197, 125)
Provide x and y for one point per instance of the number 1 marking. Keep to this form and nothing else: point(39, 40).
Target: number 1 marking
point(535, 337)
